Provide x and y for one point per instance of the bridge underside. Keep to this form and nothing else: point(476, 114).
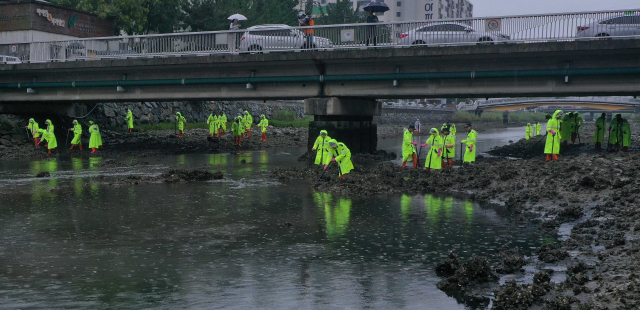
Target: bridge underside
point(609, 67)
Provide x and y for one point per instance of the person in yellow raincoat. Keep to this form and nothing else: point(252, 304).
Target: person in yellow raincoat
point(33, 128)
point(552, 145)
point(470, 149)
point(528, 131)
point(248, 121)
point(50, 137)
point(340, 154)
point(212, 121)
point(94, 139)
point(129, 120)
point(77, 135)
point(264, 124)
point(449, 153)
point(434, 156)
point(223, 123)
point(181, 123)
point(538, 128)
point(322, 146)
point(408, 149)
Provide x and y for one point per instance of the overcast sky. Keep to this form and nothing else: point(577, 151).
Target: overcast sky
point(521, 7)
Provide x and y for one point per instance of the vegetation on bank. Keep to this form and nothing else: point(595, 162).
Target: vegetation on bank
point(287, 118)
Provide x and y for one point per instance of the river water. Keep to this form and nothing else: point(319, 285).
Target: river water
point(76, 241)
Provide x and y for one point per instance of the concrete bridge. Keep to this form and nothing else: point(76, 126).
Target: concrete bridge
point(340, 87)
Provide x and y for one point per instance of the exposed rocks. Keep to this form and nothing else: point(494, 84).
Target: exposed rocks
point(459, 276)
point(43, 174)
point(551, 252)
point(513, 296)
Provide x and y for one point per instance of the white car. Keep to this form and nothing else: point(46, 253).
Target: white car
point(624, 25)
point(10, 60)
point(278, 37)
point(448, 33)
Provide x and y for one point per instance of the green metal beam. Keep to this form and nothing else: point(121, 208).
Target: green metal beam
point(336, 78)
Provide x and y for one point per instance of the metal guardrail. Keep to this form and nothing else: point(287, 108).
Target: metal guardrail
point(486, 30)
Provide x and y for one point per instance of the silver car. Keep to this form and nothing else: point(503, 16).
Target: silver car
point(9, 60)
point(624, 25)
point(448, 33)
point(278, 37)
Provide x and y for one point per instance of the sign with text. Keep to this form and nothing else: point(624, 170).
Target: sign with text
point(50, 18)
point(14, 17)
point(429, 8)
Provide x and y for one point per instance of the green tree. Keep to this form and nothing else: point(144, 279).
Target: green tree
point(208, 15)
point(341, 12)
point(133, 16)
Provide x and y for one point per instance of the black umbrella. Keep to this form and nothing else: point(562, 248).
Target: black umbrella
point(376, 7)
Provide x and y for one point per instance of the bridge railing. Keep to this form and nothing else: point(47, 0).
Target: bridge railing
point(468, 31)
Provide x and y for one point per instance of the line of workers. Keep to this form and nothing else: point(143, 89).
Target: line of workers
point(440, 155)
point(48, 136)
point(562, 128)
point(241, 126)
point(442, 149)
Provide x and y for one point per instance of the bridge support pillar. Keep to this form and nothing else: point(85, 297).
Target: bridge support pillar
point(505, 117)
point(609, 117)
point(591, 117)
point(348, 120)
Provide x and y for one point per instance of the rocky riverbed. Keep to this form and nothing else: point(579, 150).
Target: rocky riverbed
point(587, 199)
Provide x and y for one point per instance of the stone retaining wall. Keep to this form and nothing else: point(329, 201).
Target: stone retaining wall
point(113, 114)
point(406, 116)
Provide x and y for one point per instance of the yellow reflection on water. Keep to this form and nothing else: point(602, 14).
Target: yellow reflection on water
point(336, 213)
point(181, 159)
point(432, 206)
point(93, 161)
point(468, 211)
point(76, 164)
point(405, 208)
point(263, 159)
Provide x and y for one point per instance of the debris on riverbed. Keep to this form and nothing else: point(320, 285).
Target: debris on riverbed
point(175, 175)
point(43, 174)
point(172, 176)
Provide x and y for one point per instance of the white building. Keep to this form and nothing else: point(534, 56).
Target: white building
point(413, 10)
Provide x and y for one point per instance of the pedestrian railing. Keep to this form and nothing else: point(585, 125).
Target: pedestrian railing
point(528, 29)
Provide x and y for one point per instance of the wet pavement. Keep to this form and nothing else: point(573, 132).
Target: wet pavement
point(245, 242)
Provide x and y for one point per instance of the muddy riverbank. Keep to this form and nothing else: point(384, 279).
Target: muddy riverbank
point(588, 199)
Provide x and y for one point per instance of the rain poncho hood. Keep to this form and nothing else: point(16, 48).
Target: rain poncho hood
point(557, 114)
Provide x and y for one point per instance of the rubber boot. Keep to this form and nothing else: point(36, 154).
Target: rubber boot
point(450, 163)
point(49, 151)
point(415, 161)
point(598, 146)
point(71, 148)
point(80, 146)
point(342, 176)
point(248, 133)
point(548, 157)
point(218, 135)
point(93, 150)
point(130, 129)
point(404, 164)
point(555, 157)
point(46, 145)
point(264, 136)
point(37, 141)
point(625, 149)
